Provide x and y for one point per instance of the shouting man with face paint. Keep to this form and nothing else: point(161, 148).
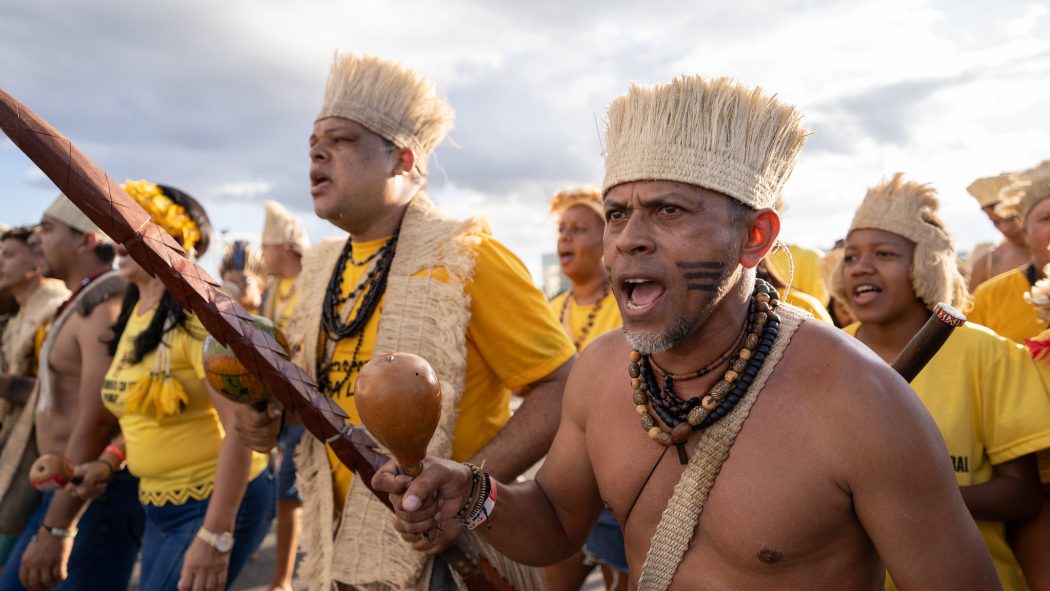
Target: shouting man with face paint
point(773, 452)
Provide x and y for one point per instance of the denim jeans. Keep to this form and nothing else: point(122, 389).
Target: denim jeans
point(287, 441)
point(605, 543)
point(170, 529)
point(108, 540)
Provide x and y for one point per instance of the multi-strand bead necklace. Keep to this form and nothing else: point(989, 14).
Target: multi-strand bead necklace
point(682, 417)
point(336, 324)
point(578, 340)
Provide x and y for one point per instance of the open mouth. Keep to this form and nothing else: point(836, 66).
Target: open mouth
point(642, 293)
point(865, 293)
point(319, 182)
point(565, 256)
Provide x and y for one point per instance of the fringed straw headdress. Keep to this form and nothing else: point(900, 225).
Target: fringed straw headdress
point(714, 134)
point(909, 209)
point(1025, 190)
point(986, 190)
point(589, 197)
point(63, 210)
point(283, 228)
point(389, 99)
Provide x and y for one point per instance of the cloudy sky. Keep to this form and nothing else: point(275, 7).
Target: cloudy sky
point(218, 98)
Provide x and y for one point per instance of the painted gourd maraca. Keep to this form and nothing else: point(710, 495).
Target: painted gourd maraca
point(50, 472)
point(399, 400)
point(228, 376)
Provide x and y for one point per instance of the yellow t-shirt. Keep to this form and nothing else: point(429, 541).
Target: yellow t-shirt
point(999, 304)
point(512, 341)
point(284, 299)
point(987, 398)
point(806, 276)
point(174, 458)
point(573, 318)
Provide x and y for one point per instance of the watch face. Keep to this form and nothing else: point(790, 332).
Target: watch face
point(224, 542)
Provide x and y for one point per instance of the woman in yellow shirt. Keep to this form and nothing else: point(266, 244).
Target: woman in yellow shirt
point(208, 499)
point(586, 311)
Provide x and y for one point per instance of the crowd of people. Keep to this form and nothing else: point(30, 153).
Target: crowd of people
point(709, 408)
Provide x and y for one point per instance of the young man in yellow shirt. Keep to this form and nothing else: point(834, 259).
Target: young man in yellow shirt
point(999, 302)
point(983, 391)
point(408, 278)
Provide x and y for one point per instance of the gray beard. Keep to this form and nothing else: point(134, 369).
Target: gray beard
point(647, 344)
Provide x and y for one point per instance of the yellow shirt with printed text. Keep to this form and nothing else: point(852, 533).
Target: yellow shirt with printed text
point(988, 400)
point(573, 317)
point(999, 304)
point(512, 341)
point(804, 271)
point(176, 457)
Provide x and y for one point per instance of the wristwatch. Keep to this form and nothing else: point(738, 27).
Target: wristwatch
point(222, 541)
point(58, 532)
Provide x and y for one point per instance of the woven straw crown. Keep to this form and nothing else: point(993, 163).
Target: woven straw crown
point(714, 134)
point(909, 209)
point(589, 197)
point(1025, 190)
point(281, 227)
point(390, 100)
point(986, 190)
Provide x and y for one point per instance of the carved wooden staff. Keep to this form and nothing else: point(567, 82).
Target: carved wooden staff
point(123, 220)
point(925, 344)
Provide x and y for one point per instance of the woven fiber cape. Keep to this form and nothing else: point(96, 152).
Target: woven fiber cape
point(678, 522)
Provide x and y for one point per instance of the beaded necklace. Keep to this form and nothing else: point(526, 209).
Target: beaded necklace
point(578, 340)
point(336, 325)
point(685, 416)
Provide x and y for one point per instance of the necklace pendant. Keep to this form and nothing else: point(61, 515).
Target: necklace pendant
point(683, 458)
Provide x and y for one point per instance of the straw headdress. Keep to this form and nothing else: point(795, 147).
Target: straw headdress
point(283, 228)
point(389, 99)
point(909, 209)
point(63, 210)
point(715, 134)
point(1025, 190)
point(986, 190)
point(589, 197)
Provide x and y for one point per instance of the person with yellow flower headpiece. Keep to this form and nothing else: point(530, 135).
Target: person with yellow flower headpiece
point(983, 390)
point(208, 500)
point(73, 359)
point(773, 452)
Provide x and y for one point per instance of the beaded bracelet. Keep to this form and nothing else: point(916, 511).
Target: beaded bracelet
point(481, 500)
point(487, 507)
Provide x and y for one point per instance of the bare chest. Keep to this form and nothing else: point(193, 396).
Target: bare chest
point(774, 509)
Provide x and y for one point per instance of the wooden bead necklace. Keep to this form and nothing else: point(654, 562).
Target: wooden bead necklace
point(578, 340)
point(682, 417)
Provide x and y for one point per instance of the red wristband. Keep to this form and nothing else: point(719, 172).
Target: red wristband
point(119, 453)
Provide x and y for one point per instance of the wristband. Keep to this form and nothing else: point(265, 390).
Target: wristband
point(486, 508)
point(58, 532)
point(122, 458)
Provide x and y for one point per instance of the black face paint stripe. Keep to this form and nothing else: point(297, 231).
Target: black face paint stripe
point(712, 275)
point(700, 264)
point(702, 287)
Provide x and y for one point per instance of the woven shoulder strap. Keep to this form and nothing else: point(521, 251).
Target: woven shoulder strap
point(679, 519)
